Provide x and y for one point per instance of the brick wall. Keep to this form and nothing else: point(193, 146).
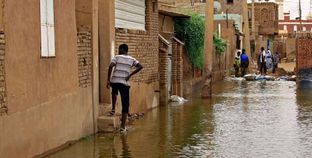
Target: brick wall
point(143, 45)
point(224, 62)
point(84, 57)
point(304, 57)
point(266, 15)
point(177, 67)
point(280, 48)
point(163, 69)
point(233, 8)
point(2, 75)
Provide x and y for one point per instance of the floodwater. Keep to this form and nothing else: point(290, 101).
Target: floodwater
point(242, 120)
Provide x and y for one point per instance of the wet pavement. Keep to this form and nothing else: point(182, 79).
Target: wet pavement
point(243, 119)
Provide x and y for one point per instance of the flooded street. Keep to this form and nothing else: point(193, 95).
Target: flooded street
point(249, 119)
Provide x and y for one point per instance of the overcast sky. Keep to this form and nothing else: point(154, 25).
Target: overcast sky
point(293, 7)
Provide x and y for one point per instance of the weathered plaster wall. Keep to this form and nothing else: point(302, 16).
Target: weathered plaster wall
point(84, 12)
point(46, 107)
point(46, 126)
point(107, 44)
point(32, 80)
point(1, 14)
point(223, 63)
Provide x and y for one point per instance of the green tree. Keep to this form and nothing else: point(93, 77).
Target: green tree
point(192, 32)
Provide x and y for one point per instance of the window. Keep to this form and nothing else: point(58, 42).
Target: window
point(130, 14)
point(285, 27)
point(295, 28)
point(304, 29)
point(47, 28)
point(230, 1)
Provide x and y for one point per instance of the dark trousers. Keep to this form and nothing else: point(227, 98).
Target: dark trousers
point(263, 68)
point(275, 66)
point(244, 66)
point(236, 68)
point(124, 93)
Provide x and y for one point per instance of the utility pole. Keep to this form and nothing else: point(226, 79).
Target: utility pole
point(253, 19)
point(246, 31)
point(300, 15)
point(207, 87)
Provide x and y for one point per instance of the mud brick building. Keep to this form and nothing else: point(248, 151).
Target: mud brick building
point(266, 18)
point(265, 24)
point(222, 63)
point(46, 68)
point(239, 7)
point(54, 57)
point(170, 48)
point(143, 45)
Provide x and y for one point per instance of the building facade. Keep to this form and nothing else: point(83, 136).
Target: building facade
point(280, 4)
point(266, 18)
point(288, 25)
point(46, 75)
point(142, 40)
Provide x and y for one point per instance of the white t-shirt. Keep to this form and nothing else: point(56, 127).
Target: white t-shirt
point(123, 63)
point(263, 56)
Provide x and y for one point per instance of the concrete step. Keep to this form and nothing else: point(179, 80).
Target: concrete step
point(108, 123)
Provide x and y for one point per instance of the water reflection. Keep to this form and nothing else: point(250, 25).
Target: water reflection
point(246, 119)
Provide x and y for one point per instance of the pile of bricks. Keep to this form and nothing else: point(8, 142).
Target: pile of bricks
point(84, 52)
point(2, 74)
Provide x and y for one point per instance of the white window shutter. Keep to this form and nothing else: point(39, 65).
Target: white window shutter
point(47, 28)
point(130, 14)
point(43, 12)
point(51, 41)
point(44, 41)
point(50, 12)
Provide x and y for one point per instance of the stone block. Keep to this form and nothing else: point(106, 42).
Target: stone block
point(108, 123)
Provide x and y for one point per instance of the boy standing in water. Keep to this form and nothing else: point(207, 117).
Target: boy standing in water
point(118, 81)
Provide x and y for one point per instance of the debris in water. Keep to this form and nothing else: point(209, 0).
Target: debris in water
point(175, 98)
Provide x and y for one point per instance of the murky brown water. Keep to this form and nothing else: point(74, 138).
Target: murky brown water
point(243, 120)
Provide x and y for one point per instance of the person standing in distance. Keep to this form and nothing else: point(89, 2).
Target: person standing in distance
point(118, 80)
point(262, 61)
point(244, 63)
point(237, 63)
